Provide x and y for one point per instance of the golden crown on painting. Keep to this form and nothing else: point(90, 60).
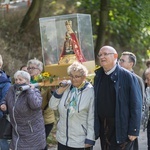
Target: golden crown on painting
point(68, 22)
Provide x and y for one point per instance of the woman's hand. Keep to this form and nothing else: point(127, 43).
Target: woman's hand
point(61, 90)
point(3, 107)
point(32, 86)
point(63, 85)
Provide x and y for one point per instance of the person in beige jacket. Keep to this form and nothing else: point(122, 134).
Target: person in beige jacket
point(35, 67)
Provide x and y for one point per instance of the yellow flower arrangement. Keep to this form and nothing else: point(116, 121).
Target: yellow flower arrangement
point(96, 67)
point(45, 76)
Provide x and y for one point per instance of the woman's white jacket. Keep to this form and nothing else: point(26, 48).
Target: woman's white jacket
point(75, 129)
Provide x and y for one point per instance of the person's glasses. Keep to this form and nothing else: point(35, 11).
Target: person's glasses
point(104, 54)
point(32, 68)
point(121, 60)
point(75, 77)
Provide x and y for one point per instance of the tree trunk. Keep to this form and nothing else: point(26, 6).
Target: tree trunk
point(31, 17)
point(103, 17)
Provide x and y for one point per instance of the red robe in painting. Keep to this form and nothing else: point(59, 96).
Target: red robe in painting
point(76, 48)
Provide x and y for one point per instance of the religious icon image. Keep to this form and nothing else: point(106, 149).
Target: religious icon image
point(64, 40)
point(71, 50)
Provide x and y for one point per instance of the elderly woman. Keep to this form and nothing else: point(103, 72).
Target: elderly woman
point(35, 67)
point(75, 104)
point(25, 112)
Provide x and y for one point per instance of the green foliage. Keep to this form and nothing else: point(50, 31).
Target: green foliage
point(128, 27)
point(90, 7)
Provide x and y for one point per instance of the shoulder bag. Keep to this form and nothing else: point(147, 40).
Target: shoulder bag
point(5, 128)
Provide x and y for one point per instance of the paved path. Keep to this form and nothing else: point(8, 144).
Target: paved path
point(142, 142)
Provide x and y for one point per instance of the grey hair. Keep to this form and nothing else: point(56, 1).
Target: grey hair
point(76, 66)
point(1, 60)
point(36, 62)
point(23, 74)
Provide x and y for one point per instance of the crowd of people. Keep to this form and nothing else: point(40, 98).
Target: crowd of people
point(111, 109)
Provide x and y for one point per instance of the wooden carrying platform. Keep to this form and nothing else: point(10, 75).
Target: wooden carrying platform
point(60, 70)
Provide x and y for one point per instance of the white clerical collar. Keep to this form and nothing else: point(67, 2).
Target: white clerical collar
point(110, 71)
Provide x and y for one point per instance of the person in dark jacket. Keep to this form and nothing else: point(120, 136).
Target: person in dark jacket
point(128, 61)
point(5, 83)
point(24, 108)
point(118, 103)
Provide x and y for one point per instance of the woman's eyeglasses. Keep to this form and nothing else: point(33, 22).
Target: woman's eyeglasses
point(75, 77)
point(32, 68)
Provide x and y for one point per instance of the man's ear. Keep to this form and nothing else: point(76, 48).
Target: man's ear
point(115, 55)
point(132, 64)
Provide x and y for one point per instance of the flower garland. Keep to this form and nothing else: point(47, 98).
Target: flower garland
point(45, 76)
